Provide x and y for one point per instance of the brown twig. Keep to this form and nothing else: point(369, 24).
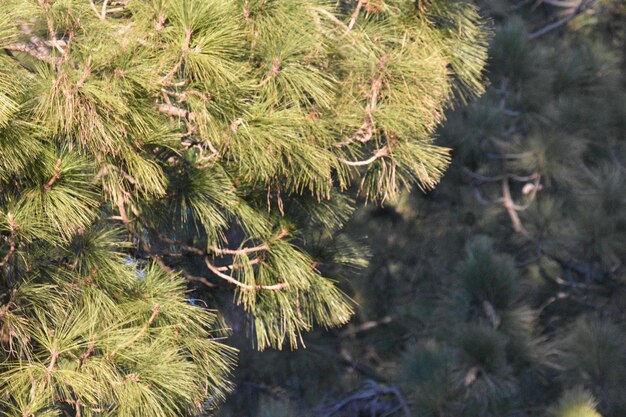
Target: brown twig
point(353, 330)
point(188, 277)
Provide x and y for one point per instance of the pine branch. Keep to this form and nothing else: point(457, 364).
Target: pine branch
point(188, 277)
point(51, 30)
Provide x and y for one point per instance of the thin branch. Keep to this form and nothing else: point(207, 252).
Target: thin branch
point(36, 50)
point(243, 251)
point(507, 202)
point(54, 355)
point(562, 4)
point(276, 65)
point(95, 9)
point(333, 18)
point(51, 30)
point(185, 48)
point(103, 14)
point(174, 111)
point(365, 133)
point(355, 14)
point(188, 277)
point(348, 361)
point(55, 176)
point(582, 6)
point(377, 155)
point(86, 73)
point(353, 330)
point(245, 287)
point(12, 240)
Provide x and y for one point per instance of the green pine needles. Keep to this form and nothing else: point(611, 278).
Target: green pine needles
point(149, 147)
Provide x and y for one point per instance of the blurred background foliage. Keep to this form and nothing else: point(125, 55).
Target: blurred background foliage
point(502, 292)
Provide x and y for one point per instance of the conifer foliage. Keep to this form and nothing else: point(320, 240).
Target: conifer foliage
point(151, 146)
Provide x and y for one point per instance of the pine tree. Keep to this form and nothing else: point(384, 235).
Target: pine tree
point(152, 147)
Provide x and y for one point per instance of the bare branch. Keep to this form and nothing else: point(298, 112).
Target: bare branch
point(55, 176)
point(12, 240)
point(172, 110)
point(86, 73)
point(582, 6)
point(185, 48)
point(36, 50)
point(243, 251)
point(352, 330)
point(355, 14)
point(507, 201)
point(377, 155)
point(333, 18)
point(365, 133)
point(276, 65)
point(103, 13)
point(245, 287)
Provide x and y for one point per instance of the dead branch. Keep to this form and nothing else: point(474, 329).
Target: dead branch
point(333, 18)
